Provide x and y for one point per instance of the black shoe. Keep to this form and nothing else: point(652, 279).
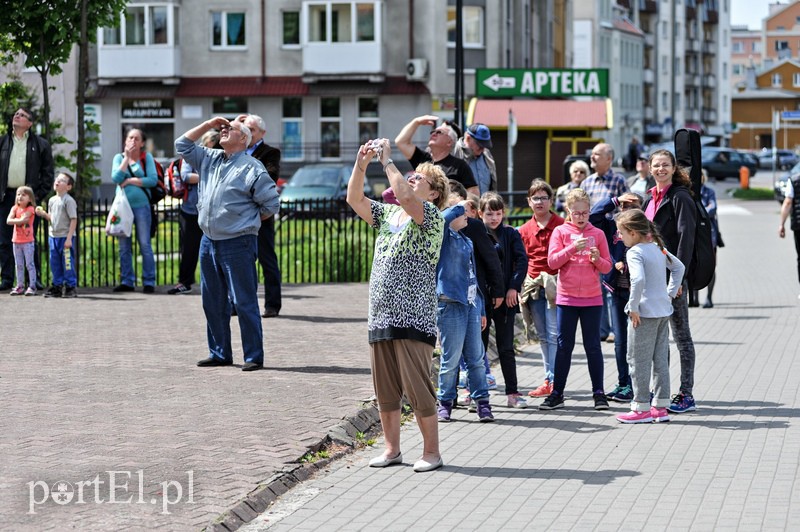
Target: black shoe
point(54, 291)
point(211, 362)
point(233, 311)
point(149, 289)
point(251, 366)
point(552, 401)
point(70, 291)
point(180, 288)
point(123, 288)
point(600, 401)
point(6, 286)
point(270, 313)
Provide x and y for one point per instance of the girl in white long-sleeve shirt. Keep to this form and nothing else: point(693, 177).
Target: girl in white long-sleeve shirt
point(649, 308)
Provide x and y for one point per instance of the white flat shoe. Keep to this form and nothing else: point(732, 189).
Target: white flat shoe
point(422, 466)
point(382, 461)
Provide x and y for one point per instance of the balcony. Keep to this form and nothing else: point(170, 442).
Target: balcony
point(334, 35)
point(648, 76)
point(327, 59)
point(156, 62)
point(649, 40)
point(648, 6)
point(710, 48)
point(710, 116)
point(692, 79)
point(649, 113)
point(710, 81)
point(692, 46)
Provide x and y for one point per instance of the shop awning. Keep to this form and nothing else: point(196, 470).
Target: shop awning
point(543, 114)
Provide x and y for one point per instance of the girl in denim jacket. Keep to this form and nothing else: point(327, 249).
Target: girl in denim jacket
point(460, 318)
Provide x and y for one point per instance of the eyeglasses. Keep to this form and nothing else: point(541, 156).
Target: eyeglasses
point(539, 199)
point(437, 132)
point(665, 165)
point(20, 114)
point(416, 177)
point(579, 214)
point(579, 172)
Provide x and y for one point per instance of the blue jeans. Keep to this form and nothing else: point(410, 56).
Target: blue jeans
point(619, 324)
point(568, 318)
point(58, 268)
point(546, 322)
point(142, 221)
point(229, 267)
point(460, 332)
point(605, 322)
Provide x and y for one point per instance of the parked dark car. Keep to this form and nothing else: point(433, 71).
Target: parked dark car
point(786, 159)
point(725, 162)
point(318, 187)
point(783, 181)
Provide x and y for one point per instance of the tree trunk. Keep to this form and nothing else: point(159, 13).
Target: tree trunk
point(45, 94)
point(80, 97)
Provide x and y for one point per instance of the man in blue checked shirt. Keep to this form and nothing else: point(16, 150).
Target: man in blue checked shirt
point(234, 194)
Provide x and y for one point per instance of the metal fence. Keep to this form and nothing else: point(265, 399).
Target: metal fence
point(315, 241)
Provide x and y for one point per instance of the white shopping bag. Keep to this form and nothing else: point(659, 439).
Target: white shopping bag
point(120, 217)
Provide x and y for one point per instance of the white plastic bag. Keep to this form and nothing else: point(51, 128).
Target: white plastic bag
point(120, 218)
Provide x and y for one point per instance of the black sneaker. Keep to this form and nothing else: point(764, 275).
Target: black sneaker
point(179, 289)
point(149, 289)
point(123, 288)
point(600, 401)
point(70, 291)
point(552, 401)
point(53, 291)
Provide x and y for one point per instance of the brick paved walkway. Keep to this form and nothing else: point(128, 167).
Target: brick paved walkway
point(86, 391)
point(732, 465)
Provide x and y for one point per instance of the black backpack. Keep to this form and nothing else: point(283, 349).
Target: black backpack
point(701, 270)
point(158, 192)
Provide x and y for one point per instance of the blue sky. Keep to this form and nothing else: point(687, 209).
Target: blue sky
point(750, 13)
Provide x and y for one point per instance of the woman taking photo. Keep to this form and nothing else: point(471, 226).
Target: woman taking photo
point(402, 297)
point(671, 208)
point(135, 171)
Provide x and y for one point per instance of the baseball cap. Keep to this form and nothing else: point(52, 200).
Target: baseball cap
point(643, 157)
point(480, 132)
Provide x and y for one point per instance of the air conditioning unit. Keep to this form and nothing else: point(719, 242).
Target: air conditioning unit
point(416, 69)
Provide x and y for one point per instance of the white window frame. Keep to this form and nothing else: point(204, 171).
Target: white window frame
point(777, 80)
point(172, 15)
point(305, 25)
point(292, 46)
point(224, 30)
point(481, 29)
point(738, 47)
point(796, 79)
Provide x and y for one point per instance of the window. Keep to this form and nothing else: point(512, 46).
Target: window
point(367, 119)
point(664, 101)
point(330, 128)
point(229, 107)
point(664, 63)
point(292, 129)
point(781, 45)
point(144, 25)
point(472, 26)
point(737, 70)
point(738, 47)
point(724, 70)
point(227, 30)
point(291, 28)
point(756, 47)
point(777, 80)
point(341, 22)
point(134, 26)
point(796, 79)
point(677, 100)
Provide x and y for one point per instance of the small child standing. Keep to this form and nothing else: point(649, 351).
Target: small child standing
point(649, 309)
point(579, 252)
point(514, 262)
point(21, 217)
point(63, 219)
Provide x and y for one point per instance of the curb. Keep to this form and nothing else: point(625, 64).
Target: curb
point(343, 434)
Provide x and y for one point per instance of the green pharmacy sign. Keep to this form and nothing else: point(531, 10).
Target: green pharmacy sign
point(541, 82)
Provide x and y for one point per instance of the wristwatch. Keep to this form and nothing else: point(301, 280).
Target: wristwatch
point(388, 162)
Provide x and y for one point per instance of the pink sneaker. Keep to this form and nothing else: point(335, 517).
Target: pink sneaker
point(18, 291)
point(635, 417)
point(659, 415)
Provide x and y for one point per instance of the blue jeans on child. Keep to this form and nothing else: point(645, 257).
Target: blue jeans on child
point(142, 221)
point(568, 317)
point(460, 332)
point(58, 268)
point(619, 324)
point(546, 322)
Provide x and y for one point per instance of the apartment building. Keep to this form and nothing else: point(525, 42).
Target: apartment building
point(746, 52)
point(324, 75)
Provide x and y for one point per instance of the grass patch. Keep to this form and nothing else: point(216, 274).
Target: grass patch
point(754, 193)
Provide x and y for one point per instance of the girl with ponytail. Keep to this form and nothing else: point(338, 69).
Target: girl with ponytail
point(649, 309)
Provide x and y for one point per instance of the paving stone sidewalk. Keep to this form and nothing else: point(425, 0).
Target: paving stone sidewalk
point(108, 382)
point(732, 465)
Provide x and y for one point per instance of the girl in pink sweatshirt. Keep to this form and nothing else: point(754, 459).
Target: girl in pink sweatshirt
point(579, 251)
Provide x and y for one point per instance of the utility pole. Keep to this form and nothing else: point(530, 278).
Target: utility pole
point(458, 111)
